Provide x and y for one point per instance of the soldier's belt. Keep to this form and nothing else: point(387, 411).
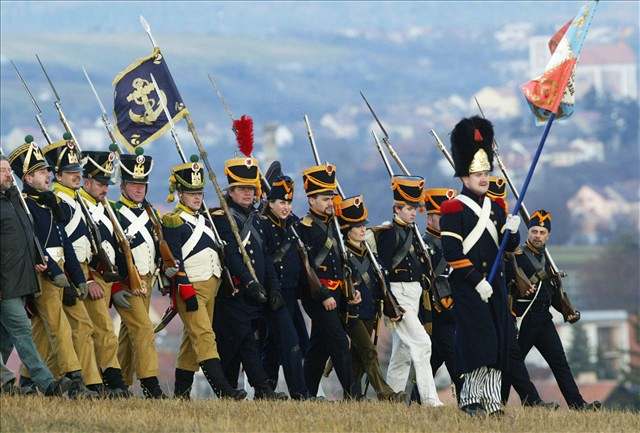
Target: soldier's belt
point(330, 284)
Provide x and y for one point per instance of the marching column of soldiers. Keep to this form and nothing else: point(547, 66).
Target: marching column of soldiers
point(238, 275)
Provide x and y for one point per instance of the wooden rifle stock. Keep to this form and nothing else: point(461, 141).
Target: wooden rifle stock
point(315, 286)
point(135, 282)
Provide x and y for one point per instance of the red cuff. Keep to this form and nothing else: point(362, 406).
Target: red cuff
point(116, 287)
point(186, 291)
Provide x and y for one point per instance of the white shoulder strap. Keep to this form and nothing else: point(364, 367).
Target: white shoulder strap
point(76, 216)
point(484, 222)
point(138, 224)
point(198, 230)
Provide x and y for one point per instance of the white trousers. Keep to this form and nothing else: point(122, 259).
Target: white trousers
point(411, 344)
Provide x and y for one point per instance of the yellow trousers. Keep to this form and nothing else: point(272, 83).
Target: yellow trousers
point(136, 342)
point(198, 339)
point(105, 341)
point(64, 341)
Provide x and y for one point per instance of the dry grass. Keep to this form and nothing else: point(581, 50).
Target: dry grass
point(37, 414)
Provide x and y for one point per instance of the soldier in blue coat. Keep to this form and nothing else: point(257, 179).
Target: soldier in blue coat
point(439, 318)
point(191, 238)
point(328, 307)
point(240, 308)
point(352, 214)
point(136, 341)
point(287, 336)
point(472, 226)
point(532, 309)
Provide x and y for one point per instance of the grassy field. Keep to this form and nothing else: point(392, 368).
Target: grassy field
point(37, 414)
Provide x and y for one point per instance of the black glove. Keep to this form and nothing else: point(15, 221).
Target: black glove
point(276, 301)
point(255, 291)
point(69, 296)
point(191, 303)
point(188, 295)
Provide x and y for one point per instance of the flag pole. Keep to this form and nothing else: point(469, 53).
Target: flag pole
point(523, 191)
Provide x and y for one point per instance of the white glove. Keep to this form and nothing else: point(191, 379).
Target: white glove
point(484, 289)
point(512, 224)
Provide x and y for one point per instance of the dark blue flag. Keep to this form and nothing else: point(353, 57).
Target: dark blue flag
point(138, 108)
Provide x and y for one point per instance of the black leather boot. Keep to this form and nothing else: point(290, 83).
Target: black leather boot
point(183, 383)
point(212, 370)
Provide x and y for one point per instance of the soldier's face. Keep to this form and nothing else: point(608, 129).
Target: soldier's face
point(5, 175)
point(478, 182)
point(280, 208)
point(538, 236)
point(356, 234)
point(321, 204)
point(406, 213)
point(433, 221)
point(70, 179)
point(134, 191)
point(39, 179)
point(97, 190)
point(192, 200)
point(242, 195)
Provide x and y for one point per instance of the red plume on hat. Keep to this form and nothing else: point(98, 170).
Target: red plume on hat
point(244, 134)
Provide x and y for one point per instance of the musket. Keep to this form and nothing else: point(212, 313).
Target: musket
point(348, 283)
point(106, 268)
point(35, 104)
point(556, 273)
point(41, 257)
point(212, 176)
point(386, 139)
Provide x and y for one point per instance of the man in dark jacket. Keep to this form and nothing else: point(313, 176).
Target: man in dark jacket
point(472, 226)
point(18, 280)
point(532, 308)
point(240, 310)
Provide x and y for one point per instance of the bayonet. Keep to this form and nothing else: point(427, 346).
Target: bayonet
point(35, 104)
point(103, 111)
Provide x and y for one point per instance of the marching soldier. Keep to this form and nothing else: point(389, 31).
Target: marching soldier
point(397, 248)
point(136, 341)
point(192, 242)
point(440, 316)
point(287, 337)
point(63, 156)
point(352, 214)
point(57, 311)
point(328, 335)
point(67, 189)
point(532, 309)
point(471, 229)
point(239, 310)
point(516, 374)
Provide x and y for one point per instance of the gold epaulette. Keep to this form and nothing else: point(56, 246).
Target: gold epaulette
point(216, 211)
point(172, 220)
point(306, 221)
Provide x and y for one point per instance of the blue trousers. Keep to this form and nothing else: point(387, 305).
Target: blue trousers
point(282, 347)
point(15, 331)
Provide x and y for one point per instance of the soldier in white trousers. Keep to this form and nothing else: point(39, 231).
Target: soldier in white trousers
point(398, 249)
